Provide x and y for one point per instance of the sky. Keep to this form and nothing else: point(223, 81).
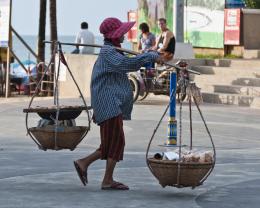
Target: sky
point(70, 13)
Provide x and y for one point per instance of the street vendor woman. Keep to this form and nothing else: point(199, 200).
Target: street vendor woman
point(112, 100)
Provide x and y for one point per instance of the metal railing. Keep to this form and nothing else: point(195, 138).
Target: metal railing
point(12, 53)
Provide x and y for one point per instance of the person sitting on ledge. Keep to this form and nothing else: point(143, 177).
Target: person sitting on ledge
point(165, 42)
point(84, 37)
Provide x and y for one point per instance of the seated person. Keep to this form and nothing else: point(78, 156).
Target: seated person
point(146, 42)
point(84, 37)
point(165, 42)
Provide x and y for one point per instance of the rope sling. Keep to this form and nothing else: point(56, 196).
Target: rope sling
point(57, 137)
point(180, 174)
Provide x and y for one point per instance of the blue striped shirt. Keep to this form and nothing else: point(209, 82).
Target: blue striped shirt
point(111, 92)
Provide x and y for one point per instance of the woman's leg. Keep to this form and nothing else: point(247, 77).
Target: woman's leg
point(108, 181)
point(81, 165)
point(108, 177)
point(112, 148)
point(86, 161)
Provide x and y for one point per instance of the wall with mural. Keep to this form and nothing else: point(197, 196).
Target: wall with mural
point(204, 23)
point(150, 11)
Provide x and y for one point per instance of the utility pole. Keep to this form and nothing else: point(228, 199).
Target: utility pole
point(178, 19)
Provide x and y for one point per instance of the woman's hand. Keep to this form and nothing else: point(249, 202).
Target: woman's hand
point(160, 60)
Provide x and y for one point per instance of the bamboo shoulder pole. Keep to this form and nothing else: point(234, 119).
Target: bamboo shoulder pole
point(126, 51)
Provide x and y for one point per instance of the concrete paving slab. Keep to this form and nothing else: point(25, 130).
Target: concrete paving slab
point(33, 178)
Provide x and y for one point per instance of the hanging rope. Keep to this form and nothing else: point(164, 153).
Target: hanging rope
point(193, 92)
point(56, 99)
point(172, 95)
point(180, 143)
point(58, 49)
point(213, 145)
point(46, 69)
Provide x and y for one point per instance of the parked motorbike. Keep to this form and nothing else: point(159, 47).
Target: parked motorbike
point(157, 81)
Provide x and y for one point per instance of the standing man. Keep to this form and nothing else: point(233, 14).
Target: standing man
point(165, 42)
point(85, 37)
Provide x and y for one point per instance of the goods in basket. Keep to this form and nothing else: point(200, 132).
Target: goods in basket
point(158, 156)
point(206, 157)
point(46, 122)
point(170, 156)
point(186, 156)
point(197, 156)
point(192, 157)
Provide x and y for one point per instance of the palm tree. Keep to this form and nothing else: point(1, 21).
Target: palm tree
point(41, 35)
point(53, 22)
point(41, 32)
point(53, 37)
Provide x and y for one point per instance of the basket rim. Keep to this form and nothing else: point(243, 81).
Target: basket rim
point(39, 109)
point(171, 162)
point(70, 128)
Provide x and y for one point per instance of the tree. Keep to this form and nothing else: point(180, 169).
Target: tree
point(42, 25)
point(53, 23)
point(253, 4)
point(41, 31)
point(54, 37)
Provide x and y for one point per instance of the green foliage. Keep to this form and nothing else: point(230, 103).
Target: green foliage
point(253, 4)
point(211, 4)
point(214, 56)
point(232, 56)
point(208, 56)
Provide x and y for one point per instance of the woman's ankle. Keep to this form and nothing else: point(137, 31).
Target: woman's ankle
point(107, 181)
point(82, 164)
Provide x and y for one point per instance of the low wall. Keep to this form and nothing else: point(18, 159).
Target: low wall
point(81, 67)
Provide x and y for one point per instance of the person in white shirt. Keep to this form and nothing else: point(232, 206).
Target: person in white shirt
point(85, 37)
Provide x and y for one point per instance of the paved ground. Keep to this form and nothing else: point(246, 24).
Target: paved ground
point(33, 178)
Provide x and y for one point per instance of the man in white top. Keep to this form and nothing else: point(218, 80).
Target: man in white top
point(85, 37)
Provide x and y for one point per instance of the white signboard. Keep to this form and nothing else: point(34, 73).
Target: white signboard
point(4, 22)
point(204, 23)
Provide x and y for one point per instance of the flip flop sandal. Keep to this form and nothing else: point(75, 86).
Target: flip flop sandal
point(86, 177)
point(116, 186)
point(80, 173)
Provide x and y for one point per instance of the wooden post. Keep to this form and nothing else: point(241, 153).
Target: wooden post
point(7, 82)
point(7, 78)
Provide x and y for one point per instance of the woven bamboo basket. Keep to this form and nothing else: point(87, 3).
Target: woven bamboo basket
point(181, 173)
point(56, 137)
point(190, 174)
point(68, 137)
